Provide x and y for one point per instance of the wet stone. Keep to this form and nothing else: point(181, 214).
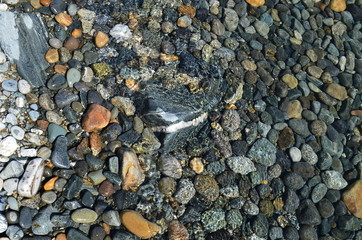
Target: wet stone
point(84, 215)
point(111, 217)
point(59, 155)
point(333, 180)
point(242, 165)
point(213, 220)
point(207, 187)
point(170, 166)
point(308, 214)
point(263, 152)
point(76, 234)
point(56, 82)
point(72, 187)
point(64, 98)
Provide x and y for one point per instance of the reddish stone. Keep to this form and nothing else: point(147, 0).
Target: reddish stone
point(96, 118)
point(106, 189)
point(42, 124)
point(83, 146)
point(95, 143)
point(352, 197)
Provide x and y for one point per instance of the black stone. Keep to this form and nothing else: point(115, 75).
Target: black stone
point(111, 132)
point(87, 198)
point(64, 98)
point(59, 155)
point(129, 137)
point(58, 6)
point(75, 234)
point(125, 199)
point(93, 162)
point(73, 186)
point(308, 213)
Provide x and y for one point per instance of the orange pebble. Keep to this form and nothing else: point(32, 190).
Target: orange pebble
point(42, 124)
point(61, 236)
point(106, 228)
point(63, 19)
point(49, 185)
point(62, 69)
point(77, 33)
point(46, 2)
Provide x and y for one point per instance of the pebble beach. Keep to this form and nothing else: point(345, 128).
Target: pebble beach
point(180, 119)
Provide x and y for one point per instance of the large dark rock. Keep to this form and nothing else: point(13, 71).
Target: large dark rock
point(174, 115)
point(25, 44)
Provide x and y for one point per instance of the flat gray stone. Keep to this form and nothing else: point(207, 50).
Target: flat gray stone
point(25, 44)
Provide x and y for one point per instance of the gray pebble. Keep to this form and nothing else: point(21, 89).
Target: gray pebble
point(13, 169)
point(111, 217)
point(17, 132)
point(10, 85)
point(334, 180)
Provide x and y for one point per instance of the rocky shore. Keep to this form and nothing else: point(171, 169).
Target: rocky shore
point(180, 119)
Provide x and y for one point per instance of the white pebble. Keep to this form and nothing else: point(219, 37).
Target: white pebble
point(121, 33)
point(12, 2)
point(11, 185)
point(28, 152)
point(8, 146)
point(11, 118)
point(30, 182)
point(2, 125)
point(2, 57)
point(24, 87)
point(295, 154)
point(4, 159)
point(3, 223)
point(34, 106)
point(17, 132)
point(3, 7)
point(20, 102)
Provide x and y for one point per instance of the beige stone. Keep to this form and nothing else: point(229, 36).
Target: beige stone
point(338, 5)
point(290, 80)
point(101, 39)
point(352, 197)
point(337, 91)
point(138, 225)
point(132, 173)
point(294, 109)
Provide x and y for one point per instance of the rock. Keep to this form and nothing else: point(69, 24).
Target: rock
point(3, 223)
point(242, 165)
point(295, 154)
point(25, 44)
point(231, 19)
point(8, 146)
point(87, 18)
point(64, 19)
point(54, 131)
point(24, 87)
point(84, 215)
point(213, 220)
point(64, 98)
point(72, 187)
point(185, 191)
point(101, 39)
point(290, 80)
point(41, 222)
point(263, 152)
point(334, 180)
point(177, 231)
point(207, 187)
point(294, 109)
point(73, 76)
point(308, 154)
point(124, 104)
point(121, 33)
point(59, 155)
point(217, 27)
point(10, 85)
point(111, 217)
point(184, 21)
point(138, 225)
point(170, 166)
point(338, 5)
point(52, 56)
point(17, 132)
point(352, 198)
point(13, 169)
point(96, 117)
point(187, 10)
point(29, 184)
point(337, 91)
point(71, 44)
point(256, 3)
point(76, 234)
point(308, 213)
point(132, 173)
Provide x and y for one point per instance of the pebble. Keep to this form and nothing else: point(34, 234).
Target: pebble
point(263, 152)
point(2, 57)
point(76, 234)
point(8, 146)
point(24, 87)
point(177, 231)
point(111, 217)
point(231, 19)
point(30, 182)
point(295, 154)
point(132, 173)
point(13, 169)
point(213, 220)
point(55, 43)
point(59, 154)
point(351, 197)
point(49, 197)
point(135, 223)
point(3, 223)
point(84, 215)
point(334, 180)
point(73, 76)
point(256, 3)
point(10, 85)
point(11, 185)
point(17, 132)
point(337, 91)
point(308, 154)
point(101, 39)
point(290, 80)
point(54, 131)
point(170, 166)
point(242, 165)
point(121, 33)
point(52, 56)
point(185, 191)
point(338, 5)
point(207, 187)
point(318, 192)
point(96, 117)
point(308, 214)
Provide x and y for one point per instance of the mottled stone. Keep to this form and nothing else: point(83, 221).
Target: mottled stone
point(352, 198)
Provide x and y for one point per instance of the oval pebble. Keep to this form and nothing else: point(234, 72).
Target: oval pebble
point(84, 215)
point(10, 85)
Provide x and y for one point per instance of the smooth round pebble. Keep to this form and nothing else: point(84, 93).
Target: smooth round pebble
point(10, 85)
point(17, 132)
point(24, 86)
point(295, 154)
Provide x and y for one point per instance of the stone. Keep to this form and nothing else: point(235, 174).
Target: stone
point(73, 76)
point(8, 146)
point(294, 109)
point(256, 3)
point(125, 104)
point(207, 187)
point(334, 180)
point(76, 234)
point(71, 44)
point(295, 154)
point(242, 165)
point(170, 166)
point(185, 191)
point(217, 27)
point(213, 220)
point(132, 173)
point(13, 169)
point(177, 231)
point(3, 223)
point(263, 152)
point(231, 19)
point(97, 177)
point(54, 131)
point(10, 85)
point(135, 223)
point(187, 10)
point(17, 132)
point(337, 91)
point(308, 154)
point(24, 87)
point(101, 39)
point(84, 215)
point(29, 184)
point(87, 18)
point(52, 56)
point(308, 213)
point(25, 44)
point(59, 154)
point(352, 198)
point(121, 33)
point(96, 118)
point(111, 217)
point(64, 19)
point(290, 80)
point(338, 5)
point(184, 21)
point(72, 187)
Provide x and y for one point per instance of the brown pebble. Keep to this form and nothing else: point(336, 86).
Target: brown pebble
point(356, 112)
point(352, 198)
point(165, 57)
point(42, 124)
point(61, 236)
point(83, 146)
point(187, 10)
point(177, 231)
point(95, 142)
point(77, 33)
point(59, 68)
point(101, 39)
point(64, 19)
point(46, 2)
point(52, 56)
point(138, 225)
point(197, 165)
point(72, 44)
point(35, 4)
point(96, 118)
point(106, 189)
point(338, 5)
